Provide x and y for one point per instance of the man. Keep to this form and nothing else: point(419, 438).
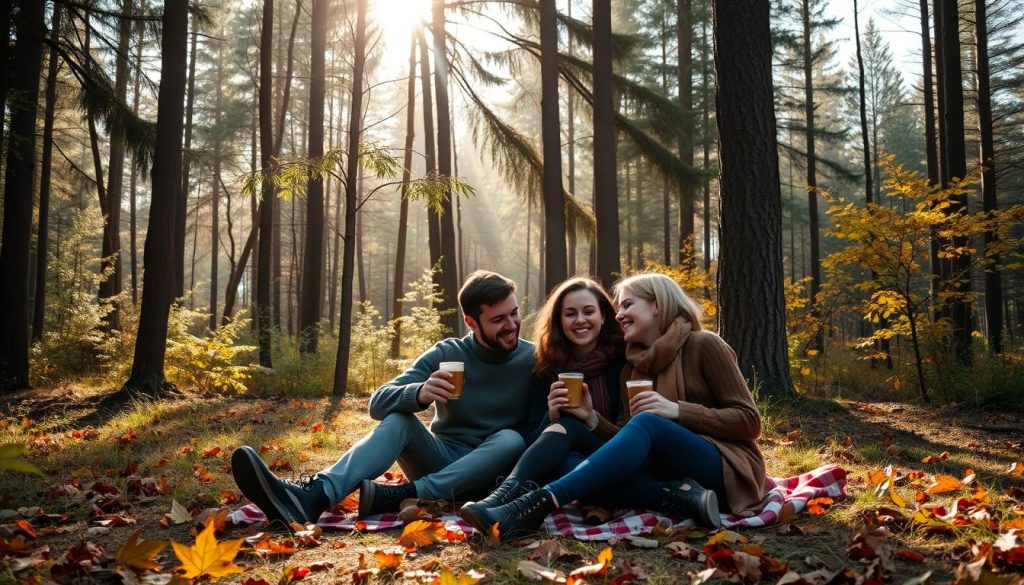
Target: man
point(470, 442)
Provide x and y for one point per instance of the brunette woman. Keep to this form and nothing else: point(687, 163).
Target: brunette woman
point(576, 332)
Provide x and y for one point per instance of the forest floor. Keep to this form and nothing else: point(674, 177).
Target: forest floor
point(950, 507)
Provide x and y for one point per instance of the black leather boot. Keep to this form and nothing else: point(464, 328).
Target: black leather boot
point(508, 490)
point(689, 499)
point(518, 517)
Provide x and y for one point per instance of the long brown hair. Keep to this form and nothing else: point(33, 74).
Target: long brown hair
point(553, 348)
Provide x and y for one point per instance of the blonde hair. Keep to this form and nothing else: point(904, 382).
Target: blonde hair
point(664, 292)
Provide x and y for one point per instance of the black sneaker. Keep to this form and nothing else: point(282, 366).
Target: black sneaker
point(516, 518)
point(377, 498)
point(689, 499)
point(279, 499)
point(508, 490)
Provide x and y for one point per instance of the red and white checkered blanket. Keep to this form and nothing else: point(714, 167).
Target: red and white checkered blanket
point(792, 492)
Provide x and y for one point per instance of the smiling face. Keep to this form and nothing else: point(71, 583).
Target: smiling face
point(498, 327)
point(636, 315)
point(581, 321)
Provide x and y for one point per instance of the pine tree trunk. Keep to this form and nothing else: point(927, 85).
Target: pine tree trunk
point(403, 211)
point(18, 186)
point(5, 25)
point(313, 256)
point(182, 207)
point(706, 136)
point(215, 195)
point(555, 268)
point(989, 203)
point(862, 103)
point(684, 34)
point(354, 133)
point(133, 246)
point(449, 255)
point(955, 167)
point(263, 257)
point(430, 155)
point(360, 249)
point(751, 301)
point(42, 240)
point(147, 375)
point(606, 204)
point(812, 178)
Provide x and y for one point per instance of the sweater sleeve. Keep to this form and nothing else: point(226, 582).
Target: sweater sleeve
point(400, 394)
point(736, 417)
point(537, 413)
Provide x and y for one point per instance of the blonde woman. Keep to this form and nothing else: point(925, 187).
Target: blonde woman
point(698, 423)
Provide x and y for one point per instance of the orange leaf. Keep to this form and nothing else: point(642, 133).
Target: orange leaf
point(280, 465)
point(128, 437)
point(207, 556)
point(494, 536)
point(817, 506)
point(203, 474)
point(211, 453)
point(910, 555)
point(317, 427)
point(267, 546)
point(930, 459)
point(26, 528)
point(141, 554)
point(421, 533)
point(944, 484)
point(389, 561)
point(1016, 469)
point(876, 476)
point(604, 558)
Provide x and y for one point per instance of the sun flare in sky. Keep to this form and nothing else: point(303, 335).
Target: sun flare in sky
point(398, 18)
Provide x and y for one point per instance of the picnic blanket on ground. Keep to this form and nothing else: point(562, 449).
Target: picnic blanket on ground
point(791, 493)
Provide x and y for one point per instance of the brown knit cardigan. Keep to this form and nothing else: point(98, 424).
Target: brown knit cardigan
point(714, 402)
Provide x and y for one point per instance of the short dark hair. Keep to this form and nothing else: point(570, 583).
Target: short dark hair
point(483, 287)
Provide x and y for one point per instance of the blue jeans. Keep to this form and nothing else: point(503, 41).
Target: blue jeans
point(671, 451)
point(440, 469)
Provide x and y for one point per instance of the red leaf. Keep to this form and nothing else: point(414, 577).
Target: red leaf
point(26, 528)
point(128, 437)
point(280, 465)
point(910, 555)
point(817, 506)
point(211, 453)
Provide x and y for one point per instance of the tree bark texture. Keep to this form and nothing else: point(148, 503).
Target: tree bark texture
point(606, 204)
point(555, 268)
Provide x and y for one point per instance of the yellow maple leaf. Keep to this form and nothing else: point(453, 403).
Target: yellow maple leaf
point(389, 560)
point(448, 578)
point(140, 554)
point(207, 556)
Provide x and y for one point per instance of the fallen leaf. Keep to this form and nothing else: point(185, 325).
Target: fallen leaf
point(943, 484)
point(421, 533)
point(494, 536)
point(140, 554)
point(267, 546)
point(818, 506)
point(448, 578)
point(26, 528)
point(604, 558)
point(179, 514)
point(128, 437)
point(910, 555)
point(535, 571)
point(211, 453)
point(207, 556)
point(1016, 469)
point(389, 560)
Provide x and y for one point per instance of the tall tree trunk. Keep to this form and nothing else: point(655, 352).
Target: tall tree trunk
point(706, 138)
point(140, 27)
point(751, 300)
point(812, 177)
point(570, 115)
point(993, 278)
point(354, 133)
point(449, 257)
point(147, 375)
point(182, 207)
point(360, 249)
point(955, 167)
point(5, 59)
point(555, 268)
point(929, 133)
point(216, 187)
point(862, 103)
point(111, 286)
point(313, 256)
point(18, 186)
point(403, 210)
point(606, 204)
point(430, 154)
point(263, 257)
point(666, 192)
point(42, 240)
point(684, 35)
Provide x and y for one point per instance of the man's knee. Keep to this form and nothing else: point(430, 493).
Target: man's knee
point(507, 441)
point(398, 419)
